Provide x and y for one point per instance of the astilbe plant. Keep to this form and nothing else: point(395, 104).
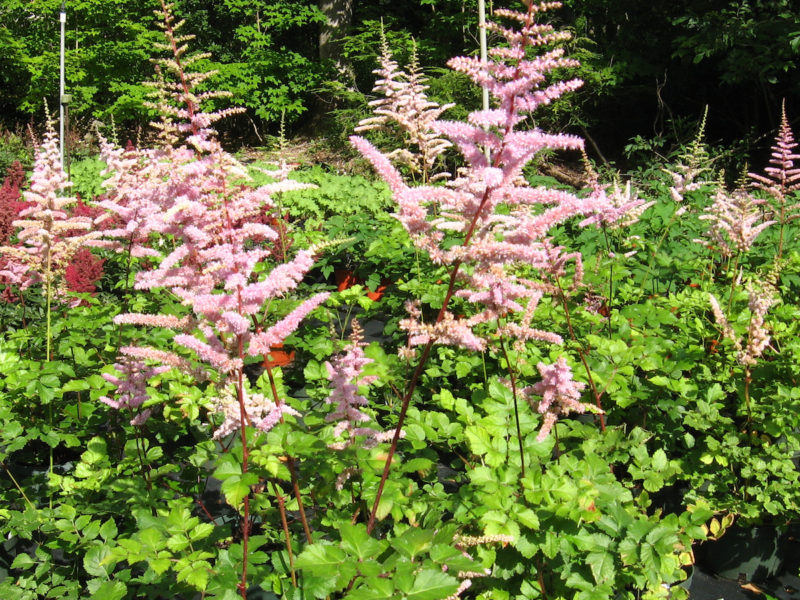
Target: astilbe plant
point(500, 221)
point(48, 237)
point(403, 101)
point(760, 300)
point(781, 180)
point(346, 375)
point(736, 220)
point(690, 173)
point(186, 194)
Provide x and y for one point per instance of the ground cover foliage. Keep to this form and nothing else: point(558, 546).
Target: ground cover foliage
point(560, 393)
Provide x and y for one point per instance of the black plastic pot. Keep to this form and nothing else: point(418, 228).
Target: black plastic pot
point(745, 553)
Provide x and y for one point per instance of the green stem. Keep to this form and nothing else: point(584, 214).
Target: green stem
point(290, 462)
point(610, 281)
point(582, 354)
point(733, 281)
point(654, 253)
point(285, 525)
point(19, 489)
point(748, 377)
point(48, 351)
point(516, 407)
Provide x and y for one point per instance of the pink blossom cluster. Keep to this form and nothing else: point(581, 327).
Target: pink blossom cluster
point(403, 101)
point(560, 394)
point(345, 373)
point(50, 233)
point(185, 195)
point(623, 210)
point(184, 208)
point(501, 220)
point(736, 220)
point(782, 177)
point(260, 412)
point(131, 388)
point(690, 173)
point(760, 300)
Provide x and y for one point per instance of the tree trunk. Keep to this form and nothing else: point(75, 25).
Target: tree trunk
point(339, 15)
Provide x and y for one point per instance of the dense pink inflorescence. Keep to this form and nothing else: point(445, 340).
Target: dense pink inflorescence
point(502, 221)
point(186, 193)
point(736, 220)
point(183, 207)
point(782, 176)
point(131, 388)
point(560, 394)
point(346, 375)
point(50, 234)
point(403, 101)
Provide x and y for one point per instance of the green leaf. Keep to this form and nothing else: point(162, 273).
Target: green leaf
point(110, 590)
point(227, 468)
point(196, 575)
point(95, 451)
point(527, 517)
point(99, 561)
point(321, 559)
point(159, 565)
point(602, 565)
point(22, 561)
point(413, 541)
point(75, 385)
point(374, 588)
point(430, 584)
point(236, 487)
point(660, 460)
point(358, 542)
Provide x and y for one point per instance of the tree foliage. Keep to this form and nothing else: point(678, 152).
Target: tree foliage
point(656, 63)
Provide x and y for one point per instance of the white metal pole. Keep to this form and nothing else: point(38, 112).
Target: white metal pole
point(482, 38)
point(63, 19)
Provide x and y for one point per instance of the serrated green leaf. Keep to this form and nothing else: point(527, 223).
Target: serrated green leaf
point(430, 584)
point(75, 385)
point(602, 565)
point(413, 541)
point(236, 487)
point(110, 590)
point(358, 542)
point(159, 565)
point(108, 530)
point(659, 460)
point(99, 561)
point(373, 588)
point(321, 559)
point(22, 561)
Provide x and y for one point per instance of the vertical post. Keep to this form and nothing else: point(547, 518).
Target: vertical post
point(482, 38)
point(63, 19)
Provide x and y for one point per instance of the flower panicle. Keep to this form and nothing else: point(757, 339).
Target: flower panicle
point(736, 221)
point(782, 176)
point(403, 101)
point(496, 150)
point(346, 374)
point(560, 395)
point(50, 236)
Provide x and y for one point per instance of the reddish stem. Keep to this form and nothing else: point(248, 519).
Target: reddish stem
point(582, 354)
point(285, 524)
point(290, 462)
point(450, 290)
